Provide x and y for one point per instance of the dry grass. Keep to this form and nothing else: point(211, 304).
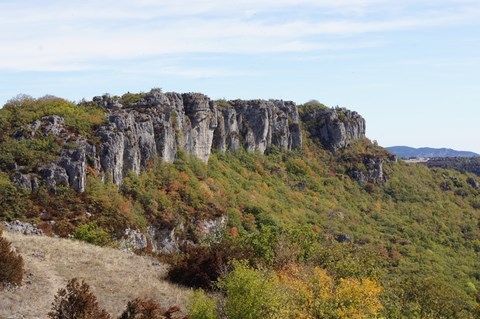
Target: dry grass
point(114, 276)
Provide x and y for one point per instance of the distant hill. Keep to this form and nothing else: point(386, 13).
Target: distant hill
point(428, 152)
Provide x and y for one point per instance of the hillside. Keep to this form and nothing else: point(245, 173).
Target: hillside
point(428, 152)
point(276, 184)
point(115, 276)
point(461, 164)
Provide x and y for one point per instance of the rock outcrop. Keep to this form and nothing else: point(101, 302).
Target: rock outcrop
point(165, 240)
point(372, 172)
point(70, 167)
point(257, 125)
point(24, 228)
point(334, 128)
point(159, 125)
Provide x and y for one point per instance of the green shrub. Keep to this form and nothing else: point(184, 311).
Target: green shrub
point(8, 193)
point(200, 306)
point(250, 293)
point(92, 233)
point(24, 110)
point(130, 98)
point(420, 297)
point(11, 264)
point(29, 153)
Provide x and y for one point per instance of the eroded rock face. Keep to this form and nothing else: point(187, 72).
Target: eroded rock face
point(257, 125)
point(373, 172)
point(166, 240)
point(198, 130)
point(159, 125)
point(334, 128)
point(47, 125)
point(156, 127)
point(24, 228)
point(69, 168)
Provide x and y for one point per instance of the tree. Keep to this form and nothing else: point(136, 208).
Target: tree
point(312, 293)
point(76, 301)
point(251, 294)
point(200, 306)
point(11, 264)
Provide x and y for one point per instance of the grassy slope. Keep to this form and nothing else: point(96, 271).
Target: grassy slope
point(114, 276)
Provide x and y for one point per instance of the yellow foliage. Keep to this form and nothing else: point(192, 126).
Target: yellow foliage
point(312, 293)
point(265, 187)
point(306, 288)
point(357, 298)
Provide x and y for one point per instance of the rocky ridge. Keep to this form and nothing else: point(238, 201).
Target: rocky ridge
point(160, 125)
point(334, 128)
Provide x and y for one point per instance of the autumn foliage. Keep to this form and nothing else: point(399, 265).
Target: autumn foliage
point(11, 264)
point(148, 309)
point(76, 301)
point(315, 294)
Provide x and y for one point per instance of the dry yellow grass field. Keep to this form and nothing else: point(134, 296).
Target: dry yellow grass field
point(114, 276)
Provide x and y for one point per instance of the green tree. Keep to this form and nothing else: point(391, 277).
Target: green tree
point(251, 294)
point(200, 306)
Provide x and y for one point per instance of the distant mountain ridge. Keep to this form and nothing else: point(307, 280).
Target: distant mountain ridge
point(428, 152)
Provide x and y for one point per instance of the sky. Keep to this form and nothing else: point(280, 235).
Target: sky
point(411, 68)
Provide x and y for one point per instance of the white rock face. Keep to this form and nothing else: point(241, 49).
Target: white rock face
point(334, 128)
point(161, 124)
point(158, 126)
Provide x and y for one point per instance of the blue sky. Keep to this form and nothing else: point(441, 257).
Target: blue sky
point(411, 68)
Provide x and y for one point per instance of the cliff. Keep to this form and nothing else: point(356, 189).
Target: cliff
point(159, 125)
point(334, 128)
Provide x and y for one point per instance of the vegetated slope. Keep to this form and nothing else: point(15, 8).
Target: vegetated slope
point(428, 152)
point(115, 277)
point(461, 164)
point(420, 226)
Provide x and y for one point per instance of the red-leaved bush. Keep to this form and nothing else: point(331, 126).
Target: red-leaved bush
point(11, 264)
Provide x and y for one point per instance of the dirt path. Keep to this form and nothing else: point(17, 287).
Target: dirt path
point(114, 276)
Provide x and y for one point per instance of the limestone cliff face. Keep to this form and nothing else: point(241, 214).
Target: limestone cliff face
point(159, 125)
point(156, 127)
point(257, 125)
point(69, 168)
point(334, 128)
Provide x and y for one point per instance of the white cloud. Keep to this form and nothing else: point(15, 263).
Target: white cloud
point(73, 35)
